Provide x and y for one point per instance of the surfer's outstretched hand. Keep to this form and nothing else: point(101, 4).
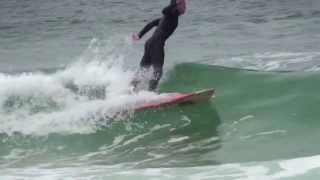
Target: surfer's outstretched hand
point(135, 37)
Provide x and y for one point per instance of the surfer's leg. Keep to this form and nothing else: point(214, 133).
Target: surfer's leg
point(157, 73)
point(145, 64)
point(157, 64)
point(146, 59)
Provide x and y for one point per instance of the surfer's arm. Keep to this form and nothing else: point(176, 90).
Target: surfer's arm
point(148, 27)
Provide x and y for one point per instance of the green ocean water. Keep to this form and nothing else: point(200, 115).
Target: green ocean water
point(256, 118)
point(264, 115)
point(66, 108)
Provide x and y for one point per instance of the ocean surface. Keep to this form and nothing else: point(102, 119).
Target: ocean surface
point(67, 108)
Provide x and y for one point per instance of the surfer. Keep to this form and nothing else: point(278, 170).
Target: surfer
point(154, 46)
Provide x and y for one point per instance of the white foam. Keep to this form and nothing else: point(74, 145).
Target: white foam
point(178, 139)
point(269, 61)
point(81, 98)
point(273, 170)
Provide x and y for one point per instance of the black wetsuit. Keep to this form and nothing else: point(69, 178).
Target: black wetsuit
point(154, 47)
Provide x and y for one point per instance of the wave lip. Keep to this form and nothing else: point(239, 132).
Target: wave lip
point(282, 61)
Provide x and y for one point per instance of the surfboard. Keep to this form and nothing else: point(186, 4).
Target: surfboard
point(175, 99)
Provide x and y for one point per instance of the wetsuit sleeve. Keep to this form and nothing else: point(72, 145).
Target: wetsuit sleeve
point(148, 27)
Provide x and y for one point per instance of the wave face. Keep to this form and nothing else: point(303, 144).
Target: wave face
point(57, 121)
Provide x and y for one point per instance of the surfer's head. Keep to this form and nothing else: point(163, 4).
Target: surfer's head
point(181, 6)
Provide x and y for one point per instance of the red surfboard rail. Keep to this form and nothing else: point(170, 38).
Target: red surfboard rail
point(174, 99)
